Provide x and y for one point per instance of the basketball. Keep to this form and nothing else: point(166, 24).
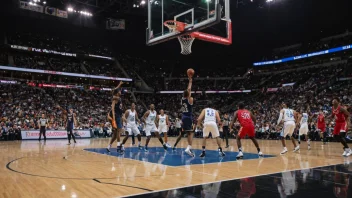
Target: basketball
point(190, 72)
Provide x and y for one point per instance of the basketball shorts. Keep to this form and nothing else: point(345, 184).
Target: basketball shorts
point(210, 127)
point(288, 129)
point(322, 128)
point(162, 128)
point(246, 130)
point(150, 128)
point(132, 129)
point(339, 127)
point(117, 123)
point(187, 124)
point(303, 130)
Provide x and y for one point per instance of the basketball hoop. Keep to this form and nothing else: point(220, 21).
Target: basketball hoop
point(186, 40)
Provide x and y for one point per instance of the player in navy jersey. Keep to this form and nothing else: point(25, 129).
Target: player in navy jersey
point(70, 123)
point(187, 120)
point(117, 111)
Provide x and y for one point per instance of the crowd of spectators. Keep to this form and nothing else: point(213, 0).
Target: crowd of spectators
point(313, 88)
point(309, 47)
point(59, 44)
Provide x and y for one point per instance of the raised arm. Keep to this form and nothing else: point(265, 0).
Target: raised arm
point(119, 85)
point(189, 87)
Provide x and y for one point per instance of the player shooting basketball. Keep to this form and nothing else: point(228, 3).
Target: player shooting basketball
point(187, 105)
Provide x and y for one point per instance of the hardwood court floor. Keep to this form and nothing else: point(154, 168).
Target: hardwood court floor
point(33, 169)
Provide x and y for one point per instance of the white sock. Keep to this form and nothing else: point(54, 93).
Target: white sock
point(285, 148)
point(109, 146)
point(139, 143)
point(118, 143)
point(123, 146)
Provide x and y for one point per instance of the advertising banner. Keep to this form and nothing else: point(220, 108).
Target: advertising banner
point(53, 134)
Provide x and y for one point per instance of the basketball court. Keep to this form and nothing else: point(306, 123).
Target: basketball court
point(37, 169)
point(86, 169)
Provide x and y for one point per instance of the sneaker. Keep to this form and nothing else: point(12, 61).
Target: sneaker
point(173, 148)
point(344, 153)
point(165, 147)
point(284, 151)
point(189, 152)
point(240, 155)
point(75, 141)
point(260, 154)
point(108, 149)
point(69, 143)
point(349, 153)
point(222, 154)
point(308, 147)
point(296, 149)
point(146, 149)
point(168, 145)
point(140, 147)
point(202, 154)
point(227, 146)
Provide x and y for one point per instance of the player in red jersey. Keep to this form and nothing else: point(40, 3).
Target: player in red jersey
point(342, 124)
point(321, 125)
point(247, 121)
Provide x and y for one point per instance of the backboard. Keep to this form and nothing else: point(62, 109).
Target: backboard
point(196, 14)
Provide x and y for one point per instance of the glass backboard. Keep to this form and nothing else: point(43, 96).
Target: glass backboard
point(197, 14)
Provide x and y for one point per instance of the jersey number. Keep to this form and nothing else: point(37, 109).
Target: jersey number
point(289, 114)
point(184, 109)
point(210, 113)
point(245, 115)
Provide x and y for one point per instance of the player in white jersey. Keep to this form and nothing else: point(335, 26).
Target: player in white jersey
point(210, 117)
point(163, 124)
point(131, 116)
point(288, 117)
point(149, 121)
point(303, 130)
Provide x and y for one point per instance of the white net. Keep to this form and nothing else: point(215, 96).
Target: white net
point(186, 42)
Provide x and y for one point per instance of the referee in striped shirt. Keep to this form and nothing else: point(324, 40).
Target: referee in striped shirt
point(43, 123)
point(226, 130)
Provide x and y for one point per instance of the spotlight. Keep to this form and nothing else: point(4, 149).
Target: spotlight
point(44, 2)
point(143, 2)
point(70, 9)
